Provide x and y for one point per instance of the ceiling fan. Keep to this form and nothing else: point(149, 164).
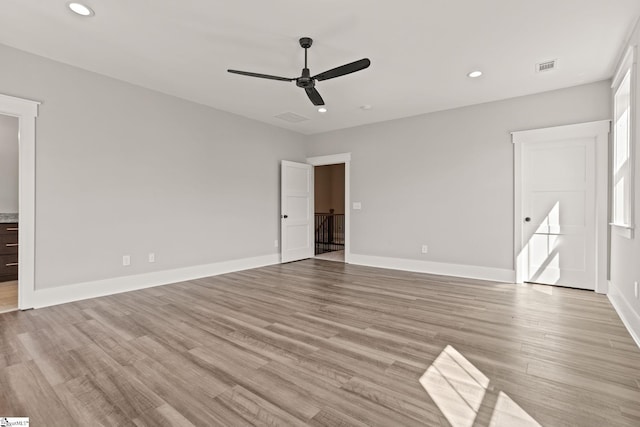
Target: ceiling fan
point(306, 81)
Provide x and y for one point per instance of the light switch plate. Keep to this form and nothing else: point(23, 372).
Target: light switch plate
point(357, 206)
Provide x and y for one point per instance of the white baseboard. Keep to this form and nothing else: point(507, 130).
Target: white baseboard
point(628, 315)
point(99, 288)
point(440, 268)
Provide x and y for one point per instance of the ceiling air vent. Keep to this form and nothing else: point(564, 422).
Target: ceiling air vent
point(546, 66)
point(291, 117)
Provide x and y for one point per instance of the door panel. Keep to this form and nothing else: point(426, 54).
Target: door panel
point(558, 210)
point(298, 208)
point(562, 165)
point(559, 201)
point(296, 211)
point(297, 238)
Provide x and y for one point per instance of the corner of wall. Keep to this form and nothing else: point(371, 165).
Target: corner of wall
point(627, 314)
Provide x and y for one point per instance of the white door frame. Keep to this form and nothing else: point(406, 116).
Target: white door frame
point(26, 111)
point(599, 131)
point(335, 159)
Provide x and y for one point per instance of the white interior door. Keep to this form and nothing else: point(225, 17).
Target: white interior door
point(296, 213)
point(558, 207)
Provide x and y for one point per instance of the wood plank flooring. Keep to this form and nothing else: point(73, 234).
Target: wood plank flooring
point(323, 343)
point(8, 296)
point(332, 256)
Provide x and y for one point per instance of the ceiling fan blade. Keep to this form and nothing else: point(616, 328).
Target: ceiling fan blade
point(262, 76)
point(314, 96)
point(344, 69)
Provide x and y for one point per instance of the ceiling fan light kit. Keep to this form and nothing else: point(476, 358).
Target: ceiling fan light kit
point(308, 82)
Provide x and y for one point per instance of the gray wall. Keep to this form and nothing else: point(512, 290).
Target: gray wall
point(625, 253)
point(125, 170)
point(8, 164)
point(446, 179)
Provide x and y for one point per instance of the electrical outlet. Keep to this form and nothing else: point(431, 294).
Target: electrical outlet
point(126, 260)
point(635, 288)
point(275, 243)
point(152, 257)
point(425, 249)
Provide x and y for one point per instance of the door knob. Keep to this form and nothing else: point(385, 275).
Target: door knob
point(527, 219)
point(285, 216)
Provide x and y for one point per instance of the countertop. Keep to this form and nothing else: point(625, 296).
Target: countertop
point(8, 218)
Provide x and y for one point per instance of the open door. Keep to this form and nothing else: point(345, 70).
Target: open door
point(296, 213)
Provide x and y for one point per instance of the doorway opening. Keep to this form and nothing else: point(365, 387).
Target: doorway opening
point(343, 159)
point(297, 210)
point(9, 186)
point(329, 202)
point(26, 112)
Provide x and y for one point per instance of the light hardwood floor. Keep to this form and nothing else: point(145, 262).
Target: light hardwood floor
point(8, 296)
point(323, 343)
point(337, 256)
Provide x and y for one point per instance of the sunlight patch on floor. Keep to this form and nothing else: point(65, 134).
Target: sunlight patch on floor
point(458, 388)
point(509, 413)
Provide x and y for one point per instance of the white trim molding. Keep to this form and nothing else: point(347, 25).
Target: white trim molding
point(100, 288)
point(627, 65)
point(629, 317)
point(439, 268)
point(332, 159)
point(12, 106)
point(335, 159)
point(599, 131)
point(26, 111)
point(628, 61)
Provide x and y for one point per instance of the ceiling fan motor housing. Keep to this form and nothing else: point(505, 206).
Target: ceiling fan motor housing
point(305, 80)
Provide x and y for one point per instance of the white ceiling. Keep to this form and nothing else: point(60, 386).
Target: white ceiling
point(421, 50)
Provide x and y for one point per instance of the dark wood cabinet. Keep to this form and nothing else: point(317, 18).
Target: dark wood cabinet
point(8, 252)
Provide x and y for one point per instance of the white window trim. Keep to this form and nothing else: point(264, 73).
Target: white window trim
point(628, 62)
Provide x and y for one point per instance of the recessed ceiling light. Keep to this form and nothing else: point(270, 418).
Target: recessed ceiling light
point(365, 107)
point(80, 9)
point(474, 74)
point(322, 110)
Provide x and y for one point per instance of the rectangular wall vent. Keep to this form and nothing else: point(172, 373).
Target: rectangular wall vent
point(291, 117)
point(546, 66)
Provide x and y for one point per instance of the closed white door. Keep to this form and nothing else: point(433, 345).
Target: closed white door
point(296, 213)
point(558, 208)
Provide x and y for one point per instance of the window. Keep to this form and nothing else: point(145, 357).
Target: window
point(622, 164)
point(621, 146)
